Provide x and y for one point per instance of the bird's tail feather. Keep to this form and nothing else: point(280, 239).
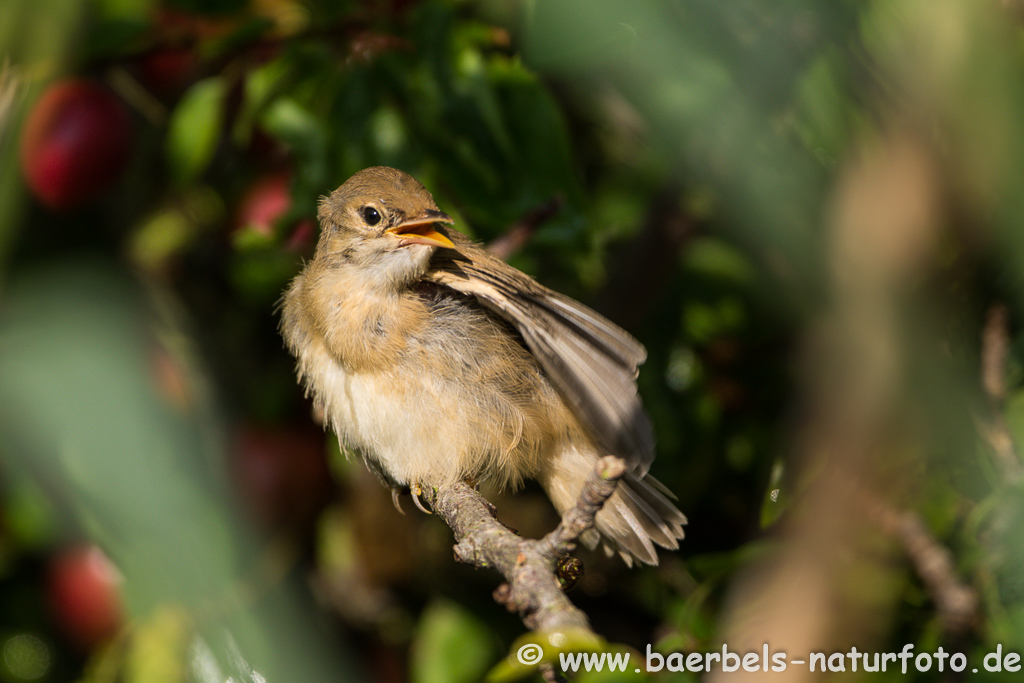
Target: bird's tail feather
point(637, 517)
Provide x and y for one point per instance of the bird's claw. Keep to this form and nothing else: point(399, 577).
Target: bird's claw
point(416, 492)
point(395, 493)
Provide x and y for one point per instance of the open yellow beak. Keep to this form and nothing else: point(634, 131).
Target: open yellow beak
point(420, 230)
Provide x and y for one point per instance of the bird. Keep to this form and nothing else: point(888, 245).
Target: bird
point(438, 363)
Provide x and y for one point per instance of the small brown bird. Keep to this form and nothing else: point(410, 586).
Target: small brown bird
point(441, 363)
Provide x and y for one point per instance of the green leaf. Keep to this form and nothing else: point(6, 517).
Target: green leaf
point(94, 420)
point(158, 645)
point(259, 271)
point(718, 259)
point(173, 228)
point(262, 84)
point(29, 516)
point(195, 129)
point(290, 122)
point(450, 646)
point(532, 649)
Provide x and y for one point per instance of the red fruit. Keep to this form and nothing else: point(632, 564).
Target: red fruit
point(264, 203)
point(303, 235)
point(75, 143)
point(281, 474)
point(84, 595)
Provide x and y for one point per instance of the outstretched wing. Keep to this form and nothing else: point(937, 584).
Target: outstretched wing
point(589, 359)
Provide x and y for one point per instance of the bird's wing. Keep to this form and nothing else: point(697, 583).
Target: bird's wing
point(590, 360)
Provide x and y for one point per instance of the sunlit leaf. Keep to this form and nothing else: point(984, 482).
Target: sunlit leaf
point(156, 653)
point(450, 646)
point(532, 649)
point(719, 259)
point(293, 124)
point(195, 129)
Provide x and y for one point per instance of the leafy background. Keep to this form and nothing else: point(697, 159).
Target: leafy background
point(808, 210)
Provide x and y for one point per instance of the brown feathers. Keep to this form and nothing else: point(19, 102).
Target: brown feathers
point(591, 361)
point(440, 364)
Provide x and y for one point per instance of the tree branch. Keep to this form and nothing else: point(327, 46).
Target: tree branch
point(956, 602)
point(530, 567)
point(519, 234)
point(995, 349)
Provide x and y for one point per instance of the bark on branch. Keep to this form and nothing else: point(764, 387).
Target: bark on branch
point(995, 350)
point(533, 588)
point(956, 602)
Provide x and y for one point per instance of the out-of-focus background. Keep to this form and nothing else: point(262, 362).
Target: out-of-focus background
point(811, 212)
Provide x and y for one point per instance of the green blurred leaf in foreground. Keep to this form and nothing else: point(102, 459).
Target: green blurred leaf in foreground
point(450, 646)
point(83, 408)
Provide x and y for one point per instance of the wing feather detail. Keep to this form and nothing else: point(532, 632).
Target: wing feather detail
point(591, 361)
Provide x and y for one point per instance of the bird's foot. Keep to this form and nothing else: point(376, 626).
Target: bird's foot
point(416, 492)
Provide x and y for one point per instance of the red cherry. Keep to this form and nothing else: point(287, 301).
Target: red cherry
point(303, 236)
point(84, 595)
point(75, 143)
point(264, 203)
point(281, 474)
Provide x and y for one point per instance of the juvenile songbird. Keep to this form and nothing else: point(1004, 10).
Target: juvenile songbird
point(439, 362)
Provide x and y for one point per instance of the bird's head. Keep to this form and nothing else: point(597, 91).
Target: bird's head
point(384, 220)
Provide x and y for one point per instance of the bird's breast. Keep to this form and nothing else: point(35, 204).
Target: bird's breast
point(366, 330)
point(453, 396)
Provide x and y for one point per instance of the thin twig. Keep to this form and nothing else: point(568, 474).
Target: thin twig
point(956, 602)
point(10, 88)
point(995, 349)
point(580, 517)
point(517, 236)
point(529, 566)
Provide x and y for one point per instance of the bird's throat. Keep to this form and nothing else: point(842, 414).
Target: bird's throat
point(364, 325)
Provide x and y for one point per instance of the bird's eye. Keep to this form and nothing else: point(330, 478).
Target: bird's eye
point(371, 215)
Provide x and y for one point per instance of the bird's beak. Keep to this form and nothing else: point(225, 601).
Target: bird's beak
point(420, 230)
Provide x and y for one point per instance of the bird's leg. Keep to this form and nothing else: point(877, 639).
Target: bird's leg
point(416, 492)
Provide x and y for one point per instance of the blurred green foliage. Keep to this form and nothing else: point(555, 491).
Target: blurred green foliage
point(687, 159)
